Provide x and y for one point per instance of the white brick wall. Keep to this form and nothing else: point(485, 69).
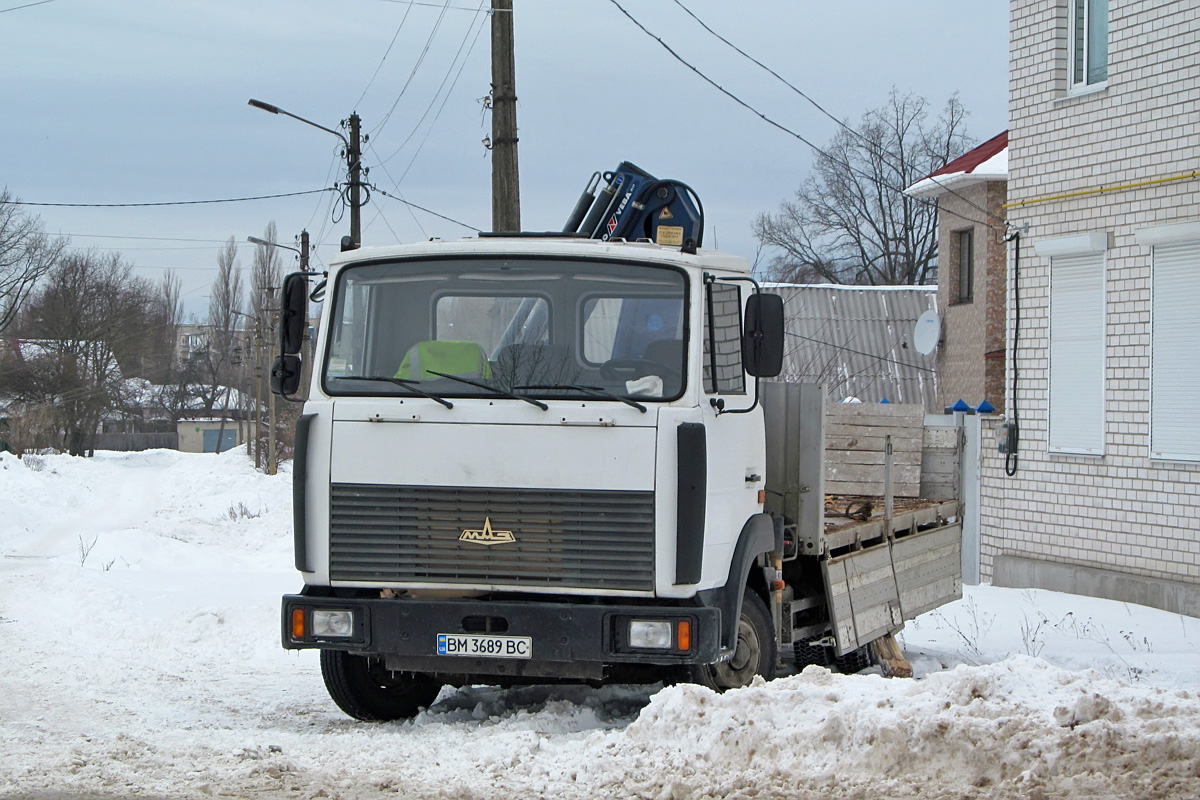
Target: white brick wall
point(1122, 511)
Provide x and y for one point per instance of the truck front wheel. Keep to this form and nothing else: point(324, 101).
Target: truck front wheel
point(755, 653)
point(365, 689)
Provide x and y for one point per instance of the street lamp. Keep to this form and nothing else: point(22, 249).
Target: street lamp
point(302, 249)
point(265, 243)
point(353, 164)
point(277, 110)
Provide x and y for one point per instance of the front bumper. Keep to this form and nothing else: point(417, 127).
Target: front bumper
point(568, 640)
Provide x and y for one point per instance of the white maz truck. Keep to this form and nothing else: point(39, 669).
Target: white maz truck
point(540, 458)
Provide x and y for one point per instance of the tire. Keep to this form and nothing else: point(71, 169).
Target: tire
point(366, 690)
point(854, 661)
point(808, 654)
point(756, 652)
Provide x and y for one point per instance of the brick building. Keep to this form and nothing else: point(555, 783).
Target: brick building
point(1104, 303)
point(972, 275)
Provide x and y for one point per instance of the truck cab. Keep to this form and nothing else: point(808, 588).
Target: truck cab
point(534, 459)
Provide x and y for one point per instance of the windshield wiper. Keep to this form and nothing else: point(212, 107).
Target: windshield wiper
point(405, 382)
point(595, 391)
point(492, 389)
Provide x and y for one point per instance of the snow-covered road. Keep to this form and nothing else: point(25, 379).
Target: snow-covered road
point(139, 600)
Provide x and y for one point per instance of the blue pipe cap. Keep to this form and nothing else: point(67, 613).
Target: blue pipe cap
point(885, 400)
point(985, 408)
point(961, 405)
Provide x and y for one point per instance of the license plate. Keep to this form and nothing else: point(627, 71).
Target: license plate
point(473, 644)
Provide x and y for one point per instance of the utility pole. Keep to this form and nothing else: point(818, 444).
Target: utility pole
point(306, 348)
point(353, 155)
point(258, 375)
point(506, 191)
point(354, 162)
point(272, 462)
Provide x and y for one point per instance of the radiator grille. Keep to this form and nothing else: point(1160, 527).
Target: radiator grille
point(563, 538)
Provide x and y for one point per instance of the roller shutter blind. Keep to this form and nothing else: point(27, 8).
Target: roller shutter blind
point(1175, 359)
point(1077, 354)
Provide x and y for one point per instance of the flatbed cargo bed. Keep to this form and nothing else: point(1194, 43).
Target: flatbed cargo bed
point(833, 472)
point(861, 520)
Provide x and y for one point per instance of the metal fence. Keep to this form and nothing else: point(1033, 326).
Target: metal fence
point(137, 441)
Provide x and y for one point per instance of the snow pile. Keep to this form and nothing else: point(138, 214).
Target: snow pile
point(139, 604)
point(1007, 728)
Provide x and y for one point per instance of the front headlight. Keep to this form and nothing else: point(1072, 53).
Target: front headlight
point(650, 634)
point(332, 623)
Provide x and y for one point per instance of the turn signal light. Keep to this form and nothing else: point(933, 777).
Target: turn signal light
point(297, 623)
point(683, 635)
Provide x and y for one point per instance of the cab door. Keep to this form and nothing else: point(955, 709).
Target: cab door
point(736, 450)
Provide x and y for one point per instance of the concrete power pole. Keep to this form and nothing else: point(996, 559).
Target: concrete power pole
point(506, 192)
point(354, 162)
point(307, 356)
point(272, 459)
point(258, 386)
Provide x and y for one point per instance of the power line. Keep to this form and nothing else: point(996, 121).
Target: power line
point(880, 153)
point(328, 177)
point(396, 236)
point(775, 74)
point(780, 126)
point(862, 352)
point(411, 213)
point(412, 74)
point(386, 53)
point(27, 5)
point(426, 210)
point(446, 97)
point(871, 146)
point(140, 238)
point(428, 5)
point(168, 203)
point(124, 249)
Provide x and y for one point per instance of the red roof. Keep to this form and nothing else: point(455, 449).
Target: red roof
point(968, 161)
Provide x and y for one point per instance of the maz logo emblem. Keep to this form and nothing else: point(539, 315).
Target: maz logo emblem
point(487, 535)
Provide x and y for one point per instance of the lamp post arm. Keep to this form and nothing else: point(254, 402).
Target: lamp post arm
point(265, 243)
point(277, 110)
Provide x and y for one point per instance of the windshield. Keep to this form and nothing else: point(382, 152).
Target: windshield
point(488, 327)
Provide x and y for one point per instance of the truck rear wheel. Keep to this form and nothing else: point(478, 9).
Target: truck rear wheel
point(755, 654)
point(365, 689)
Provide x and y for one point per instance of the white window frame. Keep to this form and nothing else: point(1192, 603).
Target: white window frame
point(1173, 436)
point(1076, 43)
point(1073, 256)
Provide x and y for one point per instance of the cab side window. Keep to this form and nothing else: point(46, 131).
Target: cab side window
point(724, 337)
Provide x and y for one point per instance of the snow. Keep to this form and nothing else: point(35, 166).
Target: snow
point(139, 603)
point(992, 169)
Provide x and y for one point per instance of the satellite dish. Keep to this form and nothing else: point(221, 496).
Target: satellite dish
point(927, 332)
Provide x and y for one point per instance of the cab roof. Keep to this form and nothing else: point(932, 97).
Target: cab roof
point(548, 245)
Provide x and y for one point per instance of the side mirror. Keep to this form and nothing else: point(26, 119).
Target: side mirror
point(293, 313)
point(285, 374)
point(762, 336)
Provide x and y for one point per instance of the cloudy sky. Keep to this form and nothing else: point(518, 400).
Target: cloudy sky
point(136, 101)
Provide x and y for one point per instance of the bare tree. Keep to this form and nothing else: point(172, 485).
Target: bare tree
point(29, 427)
point(850, 221)
point(224, 307)
point(174, 380)
point(26, 254)
point(265, 276)
point(89, 311)
point(167, 310)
